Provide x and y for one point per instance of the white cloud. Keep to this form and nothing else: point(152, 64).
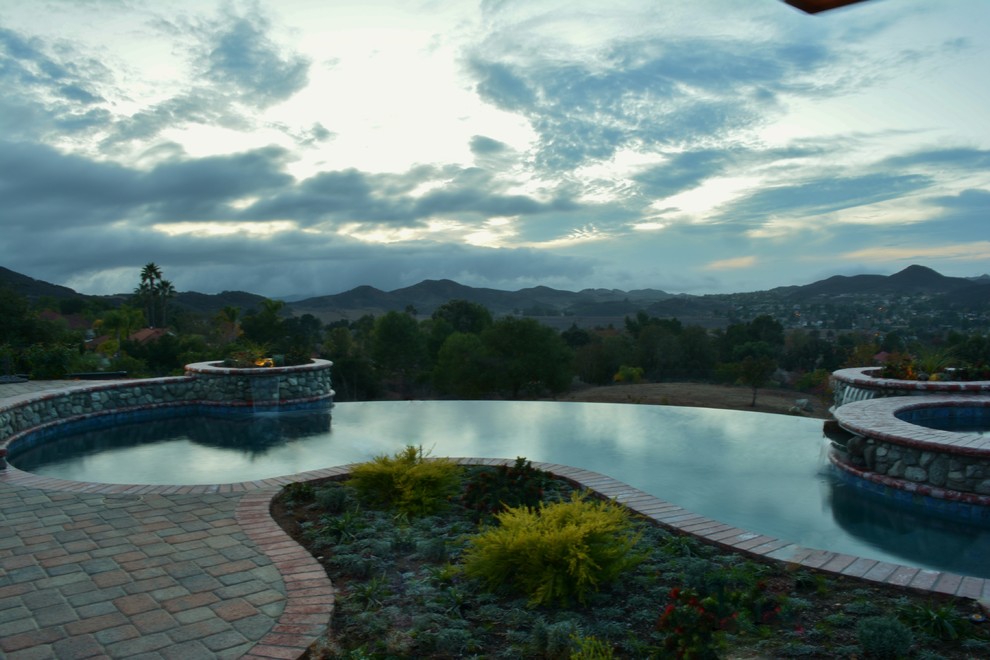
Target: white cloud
point(290, 148)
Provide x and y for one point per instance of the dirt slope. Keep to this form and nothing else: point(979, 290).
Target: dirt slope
point(703, 395)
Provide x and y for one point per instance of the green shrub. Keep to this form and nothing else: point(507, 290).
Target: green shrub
point(883, 637)
point(591, 648)
point(332, 498)
point(48, 361)
point(939, 621)
point(408, 482)
point(298, 492)
point(628, 374)
point(493, 489)
point(556, 552)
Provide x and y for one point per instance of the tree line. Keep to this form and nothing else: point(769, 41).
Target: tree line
point(460, 351)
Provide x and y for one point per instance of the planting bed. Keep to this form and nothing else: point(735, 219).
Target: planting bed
point(401, 593)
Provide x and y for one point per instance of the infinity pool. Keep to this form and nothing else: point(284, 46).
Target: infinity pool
point(765, 473)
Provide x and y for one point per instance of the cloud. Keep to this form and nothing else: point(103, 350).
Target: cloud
point(647, 93)
point(41, 188)
point(47, 90)
point(731, 264)
point(823, 194)
point(204, 107)
point(960, 158)
point(239, 70)
point(201, 189)
point(294, 263)
point(240, 57)
point(682, 171)
point(974, 251)
point(486, 146)
point(502, 145)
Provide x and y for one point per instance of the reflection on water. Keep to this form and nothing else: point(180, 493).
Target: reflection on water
point(898, 526)
point(760, 472)
point(130, 451)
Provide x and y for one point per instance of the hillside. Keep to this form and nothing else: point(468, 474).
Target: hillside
point(33, 289)
point(588, 307)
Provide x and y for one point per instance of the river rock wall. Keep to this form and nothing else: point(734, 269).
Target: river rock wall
point(205, 384)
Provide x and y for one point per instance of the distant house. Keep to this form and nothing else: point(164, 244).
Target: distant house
point(144, 335)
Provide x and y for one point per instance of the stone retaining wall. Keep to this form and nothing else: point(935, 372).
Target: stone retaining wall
point(205, 384)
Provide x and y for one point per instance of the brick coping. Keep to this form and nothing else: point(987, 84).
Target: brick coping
point(877, 418)
point(216, 368)
point(863, 377)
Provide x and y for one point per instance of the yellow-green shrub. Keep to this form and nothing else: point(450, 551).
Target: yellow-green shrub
point(408, 481)
point(556, 552)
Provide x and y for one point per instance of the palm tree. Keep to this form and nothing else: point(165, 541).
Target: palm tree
point(163, 291)
point(150, 273)
point(229, 321)
point(147, 290)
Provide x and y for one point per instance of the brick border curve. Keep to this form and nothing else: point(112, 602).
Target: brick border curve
point(310, 595)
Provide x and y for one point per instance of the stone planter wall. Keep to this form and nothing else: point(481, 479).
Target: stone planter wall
point(263, 386)
point(863, 383)
point(204, 385)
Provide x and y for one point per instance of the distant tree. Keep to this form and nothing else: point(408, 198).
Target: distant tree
point(164, 291)
point(264, 326)
point(808, 351)
point(151, 273)
point(354, 377)
point(460, 368)
point(398, 348)
point(698, 352)
point(642, 320)
point(755, 371)
point(228, 321)
point(464, 316)
point(526, 355)
point(14, 317)
point(576, 337)
point(147, 290)
point(300, 338)
point(599, 360)
point(121, 323)
point(454, 316)
point(657, 350)
point(767, 329)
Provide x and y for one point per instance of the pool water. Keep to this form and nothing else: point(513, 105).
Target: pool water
point(958, 419)
point(764, 473)
point(973, 426)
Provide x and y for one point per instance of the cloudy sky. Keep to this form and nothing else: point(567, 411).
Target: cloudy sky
point(300, 147)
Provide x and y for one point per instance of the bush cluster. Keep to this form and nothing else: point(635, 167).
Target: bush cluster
point(495, 489)
point(409, 482)
point(572, 577)
point(556, 553)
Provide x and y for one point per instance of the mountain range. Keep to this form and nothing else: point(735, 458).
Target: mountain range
point(587, 304)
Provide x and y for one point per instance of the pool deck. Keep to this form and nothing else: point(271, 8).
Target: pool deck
point(187, 572)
